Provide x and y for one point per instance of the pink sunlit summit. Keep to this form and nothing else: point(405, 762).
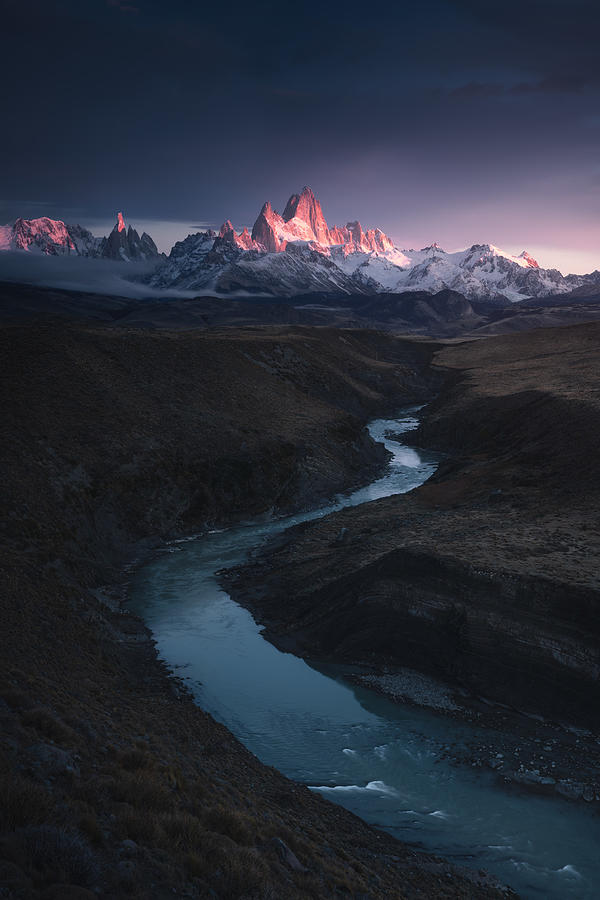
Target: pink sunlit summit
point(297, 252)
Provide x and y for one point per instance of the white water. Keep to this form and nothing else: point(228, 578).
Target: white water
point(381, 760)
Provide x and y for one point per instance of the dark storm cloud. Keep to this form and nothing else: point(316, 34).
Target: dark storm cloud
point(556, 40)
point(123, 6)
point(476, 89)
point(188, 110)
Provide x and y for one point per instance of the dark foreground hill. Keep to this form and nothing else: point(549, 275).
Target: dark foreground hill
point(113, 783)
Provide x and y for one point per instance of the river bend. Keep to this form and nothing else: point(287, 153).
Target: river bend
point(383, 761)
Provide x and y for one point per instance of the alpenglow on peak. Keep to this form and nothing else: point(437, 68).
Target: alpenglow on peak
point(297, 252)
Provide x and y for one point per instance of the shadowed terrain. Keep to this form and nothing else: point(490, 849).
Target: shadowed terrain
point(487, 576)
point(445, 314)
point(113, 782)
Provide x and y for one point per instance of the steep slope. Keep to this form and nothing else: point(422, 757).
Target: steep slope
point(113, 782)
point(297, 252)
point(486, 576)
point(53, 237)
point(285, 255)
point(49, 236)
point(482, 271)
point(126, 244)
point(357, 261)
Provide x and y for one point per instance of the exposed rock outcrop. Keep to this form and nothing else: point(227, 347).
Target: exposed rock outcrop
point(357, 261)
point(306, 208)
point(52, 237)
point(125, 244)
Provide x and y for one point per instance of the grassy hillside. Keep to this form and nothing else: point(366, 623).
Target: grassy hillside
point(113, 782)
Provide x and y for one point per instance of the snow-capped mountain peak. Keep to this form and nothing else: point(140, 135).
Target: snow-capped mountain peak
point(303, 220)
point(124, 243)
point(52, 237)
point(310, 254)
point(268, 229)
point(480, 254)
point(228, 234)
point(303, 211)
point(298, 252)
point(431, 250)
point(531, 262)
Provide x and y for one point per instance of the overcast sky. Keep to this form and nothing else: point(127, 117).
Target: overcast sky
point(459, 122)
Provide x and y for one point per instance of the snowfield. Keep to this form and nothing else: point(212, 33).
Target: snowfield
point(299, 253)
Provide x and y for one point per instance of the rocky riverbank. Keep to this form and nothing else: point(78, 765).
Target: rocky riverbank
point(113, 781)
point(524, 750)
point(486, 578)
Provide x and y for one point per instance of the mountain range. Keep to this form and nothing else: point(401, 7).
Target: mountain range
point(52, 237)
point(298, 253)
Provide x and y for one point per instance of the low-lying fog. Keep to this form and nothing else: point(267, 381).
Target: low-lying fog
point(76, 273)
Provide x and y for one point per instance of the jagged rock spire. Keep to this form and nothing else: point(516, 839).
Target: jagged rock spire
point(306, 207)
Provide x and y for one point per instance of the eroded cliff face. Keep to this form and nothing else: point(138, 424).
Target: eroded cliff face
point(486, 576)
point(514, 639)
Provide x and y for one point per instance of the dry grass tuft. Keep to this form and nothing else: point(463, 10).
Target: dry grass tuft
point(90, 827)
point(140, 826)
point(233, 824)
point(49, 725)
point(142, 790)
point(50, 854)
point(136, 758)
point(183, 831)
point(17, 700)
point(23, 802)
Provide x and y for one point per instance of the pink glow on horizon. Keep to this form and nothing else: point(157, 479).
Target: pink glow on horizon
point(574, 256)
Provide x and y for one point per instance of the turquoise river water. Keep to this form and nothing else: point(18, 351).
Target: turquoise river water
point(381, 760)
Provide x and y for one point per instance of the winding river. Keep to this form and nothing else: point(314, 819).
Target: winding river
point(383, 761)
